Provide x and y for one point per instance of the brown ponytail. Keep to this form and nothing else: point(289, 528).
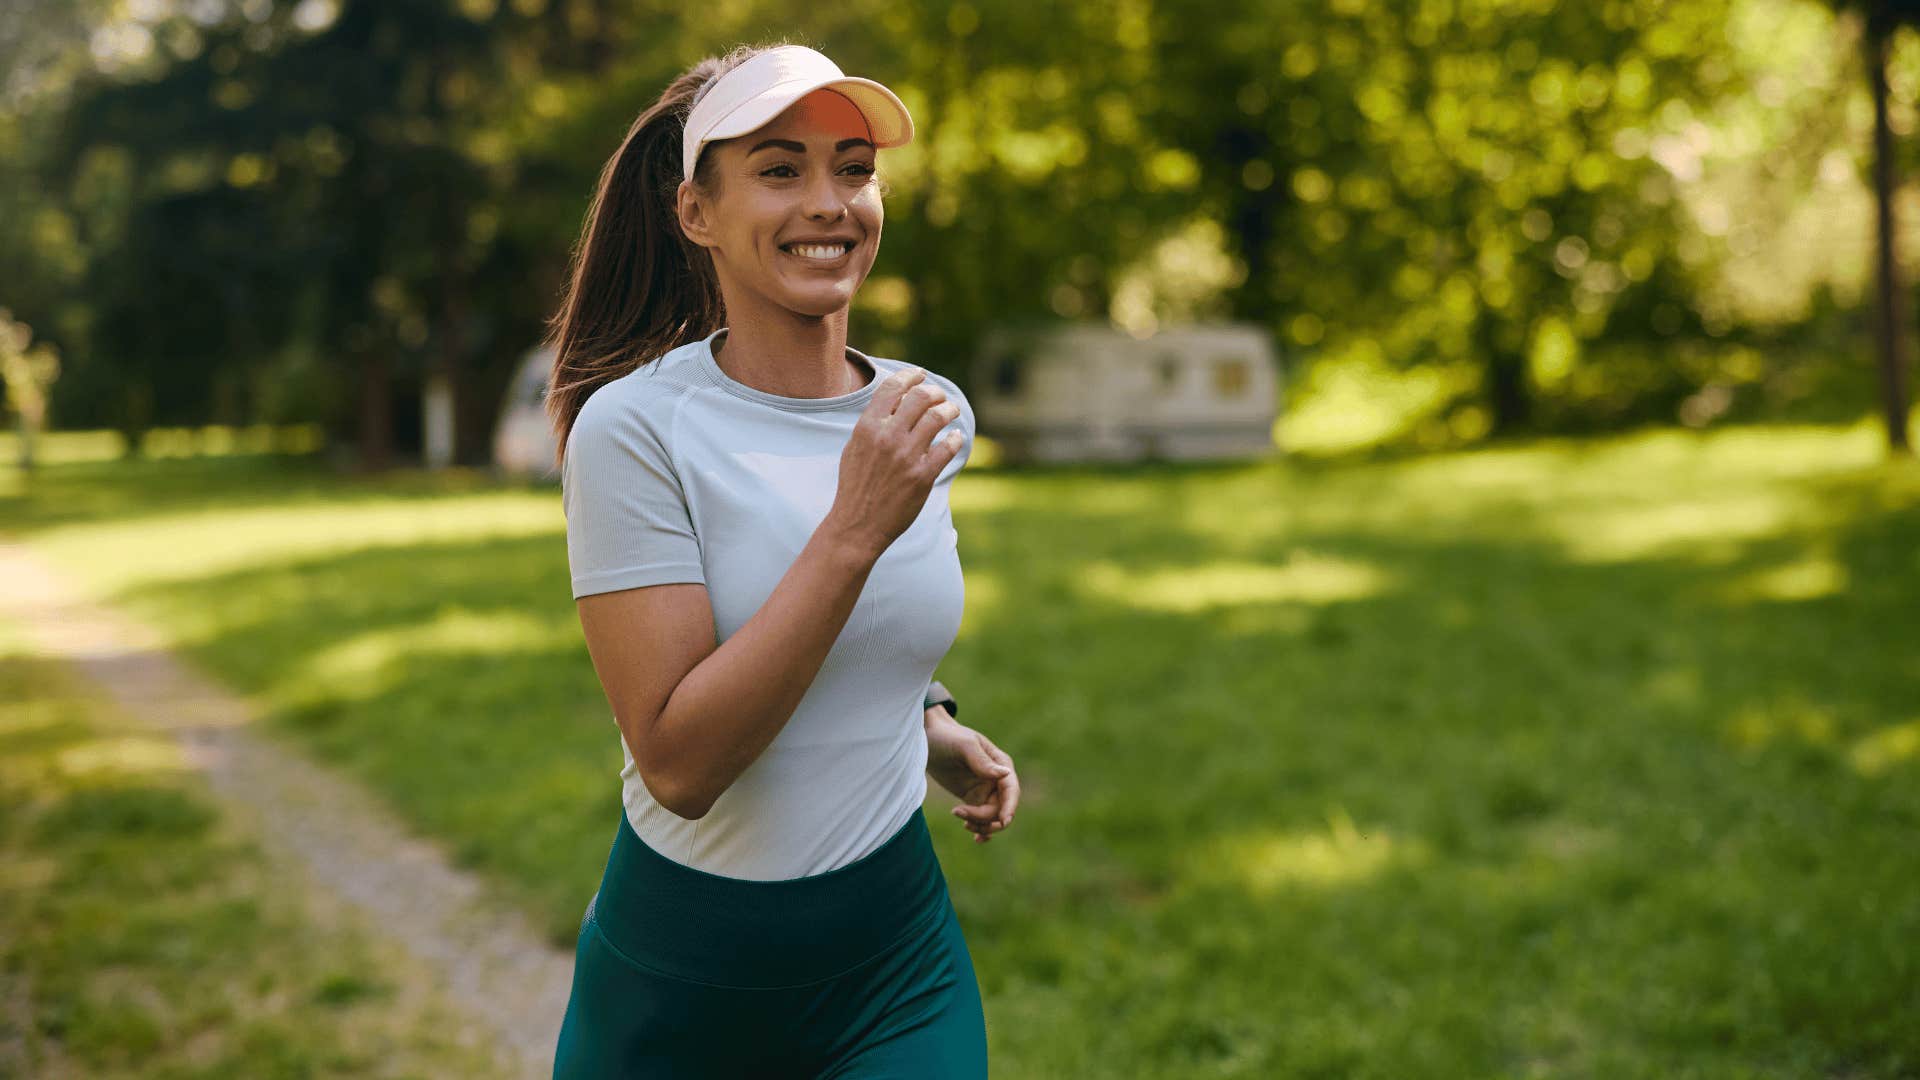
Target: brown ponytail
point(639, 287)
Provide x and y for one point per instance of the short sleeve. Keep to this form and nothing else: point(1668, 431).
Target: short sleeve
point(963, 423)
point(627, 518)
point(967, 425)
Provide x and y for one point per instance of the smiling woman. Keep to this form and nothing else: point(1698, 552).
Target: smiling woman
point(766, 571)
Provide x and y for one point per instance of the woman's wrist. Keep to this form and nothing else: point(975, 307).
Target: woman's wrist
point(851, 541)
point(938, 694)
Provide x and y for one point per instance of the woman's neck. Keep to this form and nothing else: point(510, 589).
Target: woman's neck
point(793, 357)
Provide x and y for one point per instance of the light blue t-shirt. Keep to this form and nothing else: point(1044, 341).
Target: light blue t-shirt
point(678, 473)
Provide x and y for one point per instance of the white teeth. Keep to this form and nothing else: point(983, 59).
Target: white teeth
point(823, 252)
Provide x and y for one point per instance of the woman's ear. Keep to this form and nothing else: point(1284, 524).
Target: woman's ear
point(693, 215)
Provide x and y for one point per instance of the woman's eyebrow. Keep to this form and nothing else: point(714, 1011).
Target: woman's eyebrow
point(800, 148)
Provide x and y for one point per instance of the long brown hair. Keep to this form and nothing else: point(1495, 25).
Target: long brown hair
point(639, 287)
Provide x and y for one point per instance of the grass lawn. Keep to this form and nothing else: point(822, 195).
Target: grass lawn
point(1565, 758)
point(144, 937)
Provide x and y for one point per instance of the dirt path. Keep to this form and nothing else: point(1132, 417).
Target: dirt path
point(486, 961)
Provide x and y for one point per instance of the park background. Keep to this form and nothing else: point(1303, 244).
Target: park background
point(1541, 707)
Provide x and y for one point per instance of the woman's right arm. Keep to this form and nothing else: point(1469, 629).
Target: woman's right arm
point(696, 714)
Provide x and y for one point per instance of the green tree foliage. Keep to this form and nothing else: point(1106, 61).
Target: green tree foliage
point(276, 214)
point(284, 198)
point(1458, 183)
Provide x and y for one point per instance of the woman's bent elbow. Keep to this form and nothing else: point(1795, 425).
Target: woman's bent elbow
point(669, 793)
point(676, 801)
point(693, 812)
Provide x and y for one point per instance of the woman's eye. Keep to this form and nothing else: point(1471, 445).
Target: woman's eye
point(858, 170)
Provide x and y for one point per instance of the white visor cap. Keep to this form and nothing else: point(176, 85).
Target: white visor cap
point(761, 88)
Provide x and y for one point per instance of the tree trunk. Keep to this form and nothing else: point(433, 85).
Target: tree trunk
point(376, 412)
point(444, 387)
point(136, 417)
point(1506, 369)
point(1251, 220)
point(1891, 314)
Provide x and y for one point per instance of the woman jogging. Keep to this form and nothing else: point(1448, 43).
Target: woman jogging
point(766, 571)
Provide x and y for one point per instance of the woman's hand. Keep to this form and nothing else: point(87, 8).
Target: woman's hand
point(970, 767)
point(890, 462)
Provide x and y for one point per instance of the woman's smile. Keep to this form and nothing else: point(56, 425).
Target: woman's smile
point(819, 256)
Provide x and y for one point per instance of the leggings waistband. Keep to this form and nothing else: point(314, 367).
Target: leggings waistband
point(742, 932)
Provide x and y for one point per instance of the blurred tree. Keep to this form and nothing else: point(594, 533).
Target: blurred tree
point(43, 49)
point(26, 370)
point(280, 183)
point(43, 45)
point(1883, 17)
point(370, 157)
point(1450, 180)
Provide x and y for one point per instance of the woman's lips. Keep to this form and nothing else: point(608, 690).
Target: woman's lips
point(820, 264)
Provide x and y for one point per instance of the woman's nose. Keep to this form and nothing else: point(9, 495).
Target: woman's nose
point(823, 201)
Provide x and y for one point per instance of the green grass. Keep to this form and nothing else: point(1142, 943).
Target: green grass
point(145, 937)
point(1564, 758)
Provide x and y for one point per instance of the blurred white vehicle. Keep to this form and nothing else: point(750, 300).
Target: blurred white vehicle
point(1078, 392)
point(523, 443)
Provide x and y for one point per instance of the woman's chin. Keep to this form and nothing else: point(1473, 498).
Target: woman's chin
point(820, 301)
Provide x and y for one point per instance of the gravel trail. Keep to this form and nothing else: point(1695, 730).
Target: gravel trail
point(484, 960)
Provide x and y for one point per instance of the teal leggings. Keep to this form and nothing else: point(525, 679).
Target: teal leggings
point(857, 972)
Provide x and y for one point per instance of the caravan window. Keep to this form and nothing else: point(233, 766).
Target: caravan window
point(1169, 371)
point(1006, 372)
point(1230, 377)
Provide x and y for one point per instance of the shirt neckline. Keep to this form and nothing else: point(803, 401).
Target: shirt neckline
point(852, 399)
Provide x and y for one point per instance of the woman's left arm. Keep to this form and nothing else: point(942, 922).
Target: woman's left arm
point(973, 769)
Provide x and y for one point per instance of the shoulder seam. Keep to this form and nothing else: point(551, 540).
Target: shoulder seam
point(673, 437)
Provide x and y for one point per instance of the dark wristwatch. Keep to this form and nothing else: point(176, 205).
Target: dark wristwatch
point(937, 695)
